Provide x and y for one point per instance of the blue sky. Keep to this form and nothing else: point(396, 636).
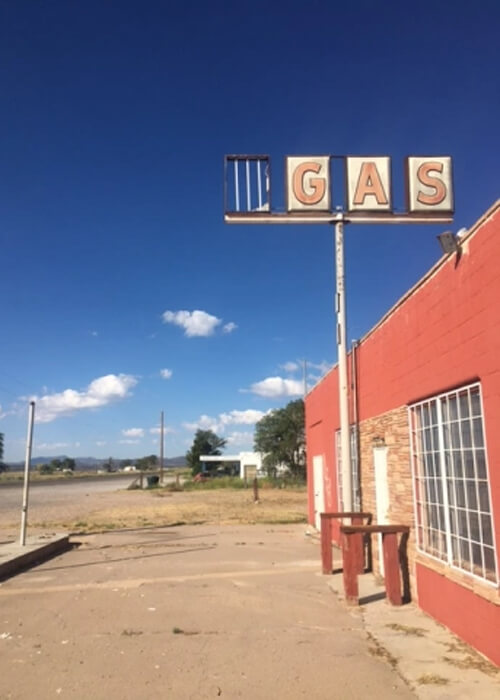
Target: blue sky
point(115, 120)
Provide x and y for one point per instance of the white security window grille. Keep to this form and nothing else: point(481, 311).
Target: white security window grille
point(450, 478)
point(355, 482)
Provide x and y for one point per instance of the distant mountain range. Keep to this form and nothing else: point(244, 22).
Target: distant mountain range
point(89, 463)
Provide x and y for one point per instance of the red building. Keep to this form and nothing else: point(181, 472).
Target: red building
point(425, 410)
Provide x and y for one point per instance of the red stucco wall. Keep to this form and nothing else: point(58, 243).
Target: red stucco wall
point(468, 615)
point(444, 334)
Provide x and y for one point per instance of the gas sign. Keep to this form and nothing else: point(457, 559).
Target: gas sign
point(368, 185)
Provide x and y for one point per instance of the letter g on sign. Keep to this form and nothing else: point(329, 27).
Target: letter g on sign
point(308, 183)
point(316, 184)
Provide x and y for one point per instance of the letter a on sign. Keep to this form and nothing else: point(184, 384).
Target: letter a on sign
point(368, 183)
point(430, 187)
point(308, 183)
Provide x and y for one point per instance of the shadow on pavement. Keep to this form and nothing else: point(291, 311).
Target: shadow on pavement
point(122, 559)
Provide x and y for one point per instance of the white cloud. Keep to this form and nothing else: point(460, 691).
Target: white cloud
point(195, 323)
point(15, 408)
point(166, 429)
point(100, 392)
point(101, 443)
point(313, 379)
point(129, 442)
point(240, 439)
point(290, 366)
point(166, 373)
point(94, 333)
point(323, 367)
point(133, 432)
point(248, 417)
point(229, 327)
point(277, 387)
point(204, 422)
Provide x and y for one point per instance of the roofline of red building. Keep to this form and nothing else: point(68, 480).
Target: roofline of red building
point(423, 280)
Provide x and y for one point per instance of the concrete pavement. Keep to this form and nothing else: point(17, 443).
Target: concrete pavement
point(225, 611)
point(187, 612)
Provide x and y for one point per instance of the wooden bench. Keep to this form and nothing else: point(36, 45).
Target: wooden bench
point(326, 536)
point(352, 545)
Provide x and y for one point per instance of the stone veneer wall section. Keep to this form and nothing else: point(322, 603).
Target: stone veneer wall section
point(390, 430)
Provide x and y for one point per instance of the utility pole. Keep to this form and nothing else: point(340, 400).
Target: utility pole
point(161, 448)
point(27, 464)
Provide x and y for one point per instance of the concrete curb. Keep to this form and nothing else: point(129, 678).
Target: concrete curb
point(15, 558)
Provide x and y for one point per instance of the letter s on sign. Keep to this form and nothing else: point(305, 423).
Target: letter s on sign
point(424, 175)
point(317, 185)
point(430, 184)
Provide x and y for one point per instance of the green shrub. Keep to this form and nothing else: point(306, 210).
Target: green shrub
point(285, 482)
point(45, 469)
point(234, 482)
point(217, 482)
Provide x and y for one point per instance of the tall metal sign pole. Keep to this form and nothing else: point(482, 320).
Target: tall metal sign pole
point(345, 434)
point(367, 200)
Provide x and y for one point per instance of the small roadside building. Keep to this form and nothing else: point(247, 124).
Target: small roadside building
point(425, 411)
point(246, 465)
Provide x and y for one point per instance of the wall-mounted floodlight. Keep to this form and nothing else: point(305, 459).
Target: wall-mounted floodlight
point(449, 242)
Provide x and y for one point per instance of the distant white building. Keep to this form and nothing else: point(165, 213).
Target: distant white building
point(247, 465)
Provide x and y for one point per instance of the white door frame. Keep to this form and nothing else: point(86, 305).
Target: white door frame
point(381, 495)
point(318, 489)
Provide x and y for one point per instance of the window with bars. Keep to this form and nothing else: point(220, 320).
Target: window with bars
point(355, 483)
point(450, 477)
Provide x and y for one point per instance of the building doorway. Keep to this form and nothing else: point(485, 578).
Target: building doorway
point(381, 496)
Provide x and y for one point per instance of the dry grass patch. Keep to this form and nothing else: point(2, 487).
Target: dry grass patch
point(407, 630)
point(474, 662)
point(432, 679)
point(225, 507)
point(377, 649)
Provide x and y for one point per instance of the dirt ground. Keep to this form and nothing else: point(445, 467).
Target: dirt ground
point(186, 612)
point(89, 511)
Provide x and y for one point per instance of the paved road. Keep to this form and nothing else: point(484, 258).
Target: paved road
point(187, 613)
point(49, 493)
point(63, 505)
